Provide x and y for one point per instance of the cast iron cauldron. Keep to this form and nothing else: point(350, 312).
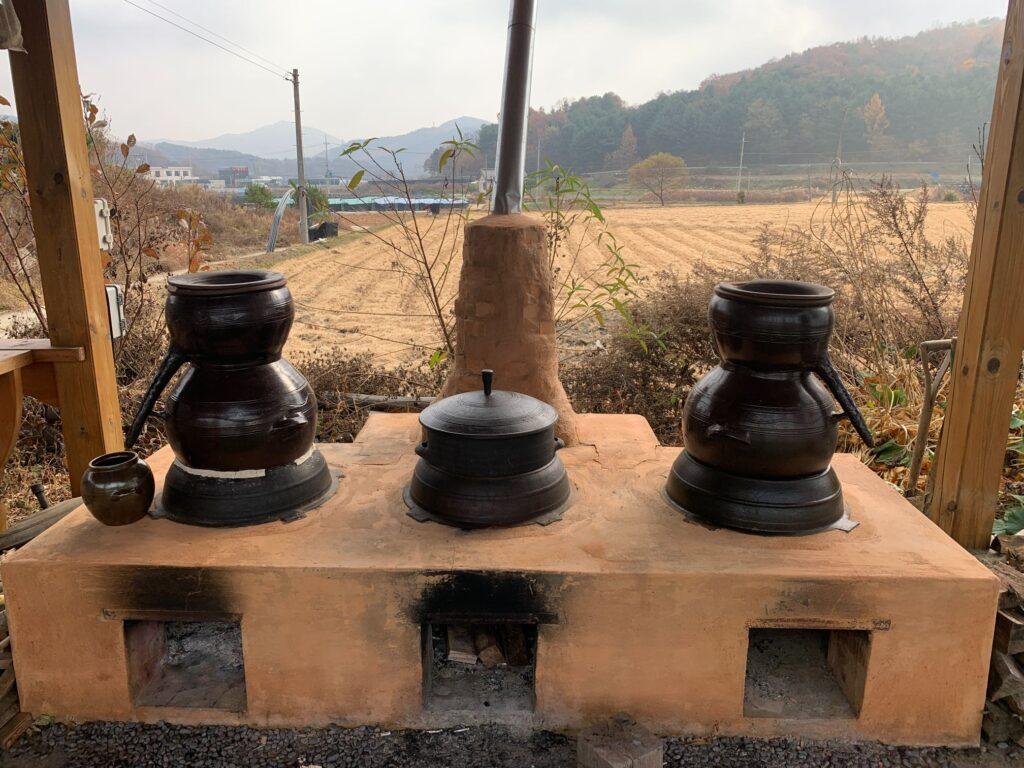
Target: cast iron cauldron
point(759, 429)
point(489, 459)
point(241, 420)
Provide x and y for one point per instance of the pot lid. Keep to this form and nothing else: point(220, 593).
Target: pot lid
point(489, 413)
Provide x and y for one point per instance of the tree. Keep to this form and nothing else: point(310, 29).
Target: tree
point(876, 123)
point(659, 174)
point(470, 163)
point(626, 154)
point(761, 116)
point(316, 199)
point(259, 195)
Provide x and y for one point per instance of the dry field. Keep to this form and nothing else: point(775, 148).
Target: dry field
point(350, 296)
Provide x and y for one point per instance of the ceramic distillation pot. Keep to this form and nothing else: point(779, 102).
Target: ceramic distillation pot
point(241, 420)
point(118, 488)
point(489, 460)
point(759, 429)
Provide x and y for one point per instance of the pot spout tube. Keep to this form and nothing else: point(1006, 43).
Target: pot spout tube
point(515, 108)
point(170, 365)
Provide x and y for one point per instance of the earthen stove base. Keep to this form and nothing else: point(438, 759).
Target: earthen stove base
point(881, 633)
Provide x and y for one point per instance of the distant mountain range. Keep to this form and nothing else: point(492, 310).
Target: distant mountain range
point(275, 141)
point(270, 149)
point(922, 97)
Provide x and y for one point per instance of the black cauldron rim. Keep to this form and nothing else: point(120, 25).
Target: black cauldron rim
point(108, 462)
point(790, 293)
point(225, 282)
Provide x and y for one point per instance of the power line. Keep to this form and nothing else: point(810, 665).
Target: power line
point(215, 34)
point(207, 40)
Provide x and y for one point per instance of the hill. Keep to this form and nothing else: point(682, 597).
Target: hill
point(260, 149)
point(934, 90)
point(274, 141)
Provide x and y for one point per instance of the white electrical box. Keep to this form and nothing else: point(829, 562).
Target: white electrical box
point(115, 310)
point(103, 227)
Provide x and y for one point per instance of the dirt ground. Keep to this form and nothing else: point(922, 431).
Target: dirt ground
point(124, 745)
point(352, 296)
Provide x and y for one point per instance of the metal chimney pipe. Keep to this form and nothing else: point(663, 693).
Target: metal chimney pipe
point(515, 108)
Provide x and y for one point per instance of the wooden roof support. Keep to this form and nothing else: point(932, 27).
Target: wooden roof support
point(991, 335)
point(60, 191)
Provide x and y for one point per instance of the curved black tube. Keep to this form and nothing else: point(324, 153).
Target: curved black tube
point(830, 376)
point(170, 365)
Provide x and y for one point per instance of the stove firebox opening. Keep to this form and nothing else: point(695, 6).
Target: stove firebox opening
point(478, 667)
point(187, 664)
point(806, 674)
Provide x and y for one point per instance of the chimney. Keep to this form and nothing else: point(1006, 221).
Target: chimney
point(504, 315)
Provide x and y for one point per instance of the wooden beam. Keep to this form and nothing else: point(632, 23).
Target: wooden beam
point(39, 381)
point(991, 333)
point(53, 139)
point(11, 360)
point(43, 351)
point(11, 411)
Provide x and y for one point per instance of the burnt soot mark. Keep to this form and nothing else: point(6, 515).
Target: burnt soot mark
point(488, 596)
point(160, 588)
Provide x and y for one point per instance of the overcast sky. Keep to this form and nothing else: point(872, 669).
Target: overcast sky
point(380, 68)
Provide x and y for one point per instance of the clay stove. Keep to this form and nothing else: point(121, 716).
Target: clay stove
point(627, 605)
point(635, 607)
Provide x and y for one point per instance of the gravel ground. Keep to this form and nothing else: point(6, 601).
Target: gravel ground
point(120, 745)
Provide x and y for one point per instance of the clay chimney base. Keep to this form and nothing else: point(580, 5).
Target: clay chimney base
point(505, 315)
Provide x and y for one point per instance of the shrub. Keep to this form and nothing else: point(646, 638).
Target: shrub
point(259, 195)
point(894, 289)
point(333, 376)
point(235, 229)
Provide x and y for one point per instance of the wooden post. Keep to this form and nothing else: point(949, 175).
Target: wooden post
point(60, 191)
point(991, 333)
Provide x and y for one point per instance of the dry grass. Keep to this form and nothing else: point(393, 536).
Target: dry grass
point(353, 297)
point(898, 263)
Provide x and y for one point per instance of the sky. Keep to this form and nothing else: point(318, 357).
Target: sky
point(384, 68)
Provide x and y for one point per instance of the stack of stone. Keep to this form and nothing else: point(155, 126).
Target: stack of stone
point(1004, 711)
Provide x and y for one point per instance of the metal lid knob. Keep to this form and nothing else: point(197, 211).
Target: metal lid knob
point(488, 376)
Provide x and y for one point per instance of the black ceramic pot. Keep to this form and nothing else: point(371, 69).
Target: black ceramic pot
point(238, 410)
point(489, 459)
point(118, 488)
point(488, 433)
point(760, 429)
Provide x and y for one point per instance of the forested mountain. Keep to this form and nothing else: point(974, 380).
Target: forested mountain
point(915, 98)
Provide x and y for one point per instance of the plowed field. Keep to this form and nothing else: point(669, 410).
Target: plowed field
point(351, 296)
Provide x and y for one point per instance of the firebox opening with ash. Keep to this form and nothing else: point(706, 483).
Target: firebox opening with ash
point(482, 668)
point(193, 664)
point(806, 673)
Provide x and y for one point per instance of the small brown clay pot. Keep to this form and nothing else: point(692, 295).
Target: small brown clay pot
point(118, 488)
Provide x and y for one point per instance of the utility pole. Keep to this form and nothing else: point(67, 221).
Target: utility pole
point(303, 215)
point(739, 176)
point(839, 144)
point(839, 157)
point(327, 161)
